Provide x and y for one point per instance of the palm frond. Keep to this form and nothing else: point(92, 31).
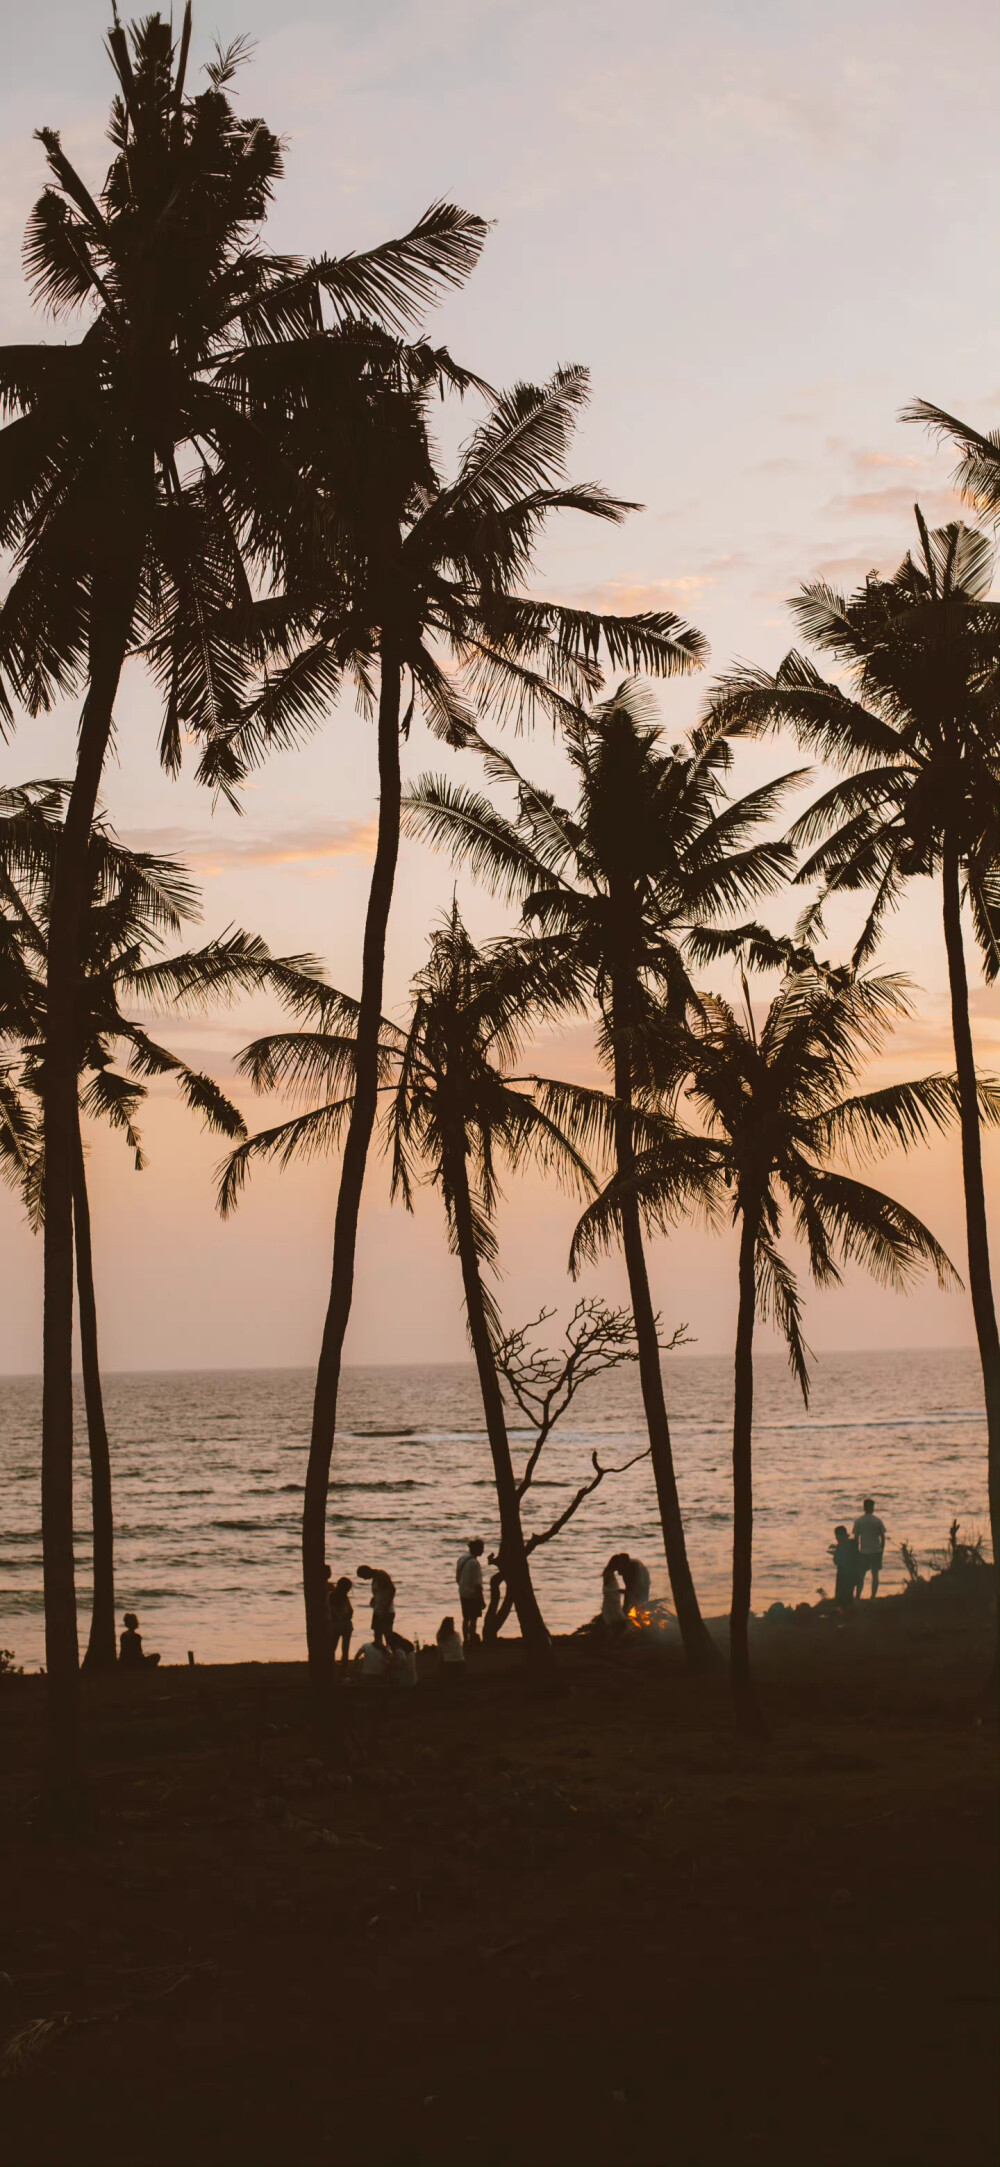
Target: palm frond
point(307, 1136)
point(780, 1303)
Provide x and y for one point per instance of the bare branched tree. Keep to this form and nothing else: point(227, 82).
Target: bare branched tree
point(542, 1382)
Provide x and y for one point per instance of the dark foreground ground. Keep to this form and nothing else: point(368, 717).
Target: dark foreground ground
point(589, 1928)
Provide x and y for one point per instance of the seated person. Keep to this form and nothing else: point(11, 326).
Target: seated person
point(449, 1643)
point(130, 1654)
point(402, 1660)
point(372, 1663)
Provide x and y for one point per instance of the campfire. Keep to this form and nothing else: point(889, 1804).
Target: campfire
point(656, 1615)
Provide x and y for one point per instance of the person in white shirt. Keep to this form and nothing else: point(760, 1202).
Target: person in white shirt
point(469, 1575)
point(372, 1663)
point(869, 1532)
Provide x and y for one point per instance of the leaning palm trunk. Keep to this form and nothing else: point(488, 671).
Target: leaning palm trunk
point(745, 1701)
point(101, 1645)
point(513, 1561)
point(980, 1282)
point(699, 1647)
point(362, 1121)
point(110, 618)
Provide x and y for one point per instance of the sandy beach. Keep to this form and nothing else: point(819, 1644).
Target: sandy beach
point(517, 1925)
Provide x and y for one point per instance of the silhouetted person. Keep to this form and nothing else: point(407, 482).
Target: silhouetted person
point(383, 1602)
point(450, 1647)
point(338, 1603)
point(130, 1654)
point(844, 1551)
point(469, 1575)
point(635, 1576)
point(372, 1663)
point(869, 1531)
point(612, 1614)
point(402, 1661)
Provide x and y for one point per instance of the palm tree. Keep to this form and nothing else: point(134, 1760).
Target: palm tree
point(773, 1114)
point(133, 901)
point(419, 591)
point(918, 738)
point(454, 1113)
point(978, 472)
point(140, 496)
point(613, 889)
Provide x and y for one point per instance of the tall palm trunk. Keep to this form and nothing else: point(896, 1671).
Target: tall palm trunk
point(513, 1556)
point(699, 1647)
point(101, 1645)
point(980, 1282)
point(745, 1701)
point(362, 1121)
point(110, 620)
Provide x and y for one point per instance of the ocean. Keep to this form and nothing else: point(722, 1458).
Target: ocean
point(209, 1468)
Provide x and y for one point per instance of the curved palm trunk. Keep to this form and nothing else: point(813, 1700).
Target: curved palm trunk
point(747, 1707)
point(109, 636)
point(980, 1281)
point(362, 1121)
point(101, 1645)
point(699, 1647)
point(513, 1556)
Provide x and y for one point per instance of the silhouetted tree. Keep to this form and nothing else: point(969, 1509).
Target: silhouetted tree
point(133, 901)
point(774, 1112)
point(918, 737)
point(454, 1112)
point(613, 889)
point(543, 1384)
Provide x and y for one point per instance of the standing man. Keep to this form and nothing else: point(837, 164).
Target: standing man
point(469, 1575)
point(869, 1533)
point(383, 1602)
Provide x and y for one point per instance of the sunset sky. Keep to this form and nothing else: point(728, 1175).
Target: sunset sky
point(764, 229)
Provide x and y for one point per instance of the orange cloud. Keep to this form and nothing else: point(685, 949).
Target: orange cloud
point(214, 855)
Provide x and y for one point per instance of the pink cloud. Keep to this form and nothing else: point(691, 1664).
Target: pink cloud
point(897, 501)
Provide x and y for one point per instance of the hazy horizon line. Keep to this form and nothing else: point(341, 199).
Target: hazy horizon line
point(299, 1369)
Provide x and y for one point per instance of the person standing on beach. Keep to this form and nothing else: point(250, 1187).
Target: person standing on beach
point(383, 1602)
point(338, 1600)
point(844, 1552)
point(869, 1532)
point(469, 1575)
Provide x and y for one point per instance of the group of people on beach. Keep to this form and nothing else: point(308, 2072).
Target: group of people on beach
point(388, 1658)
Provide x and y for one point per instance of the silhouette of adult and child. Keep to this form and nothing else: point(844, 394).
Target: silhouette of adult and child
point(858, 1554)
